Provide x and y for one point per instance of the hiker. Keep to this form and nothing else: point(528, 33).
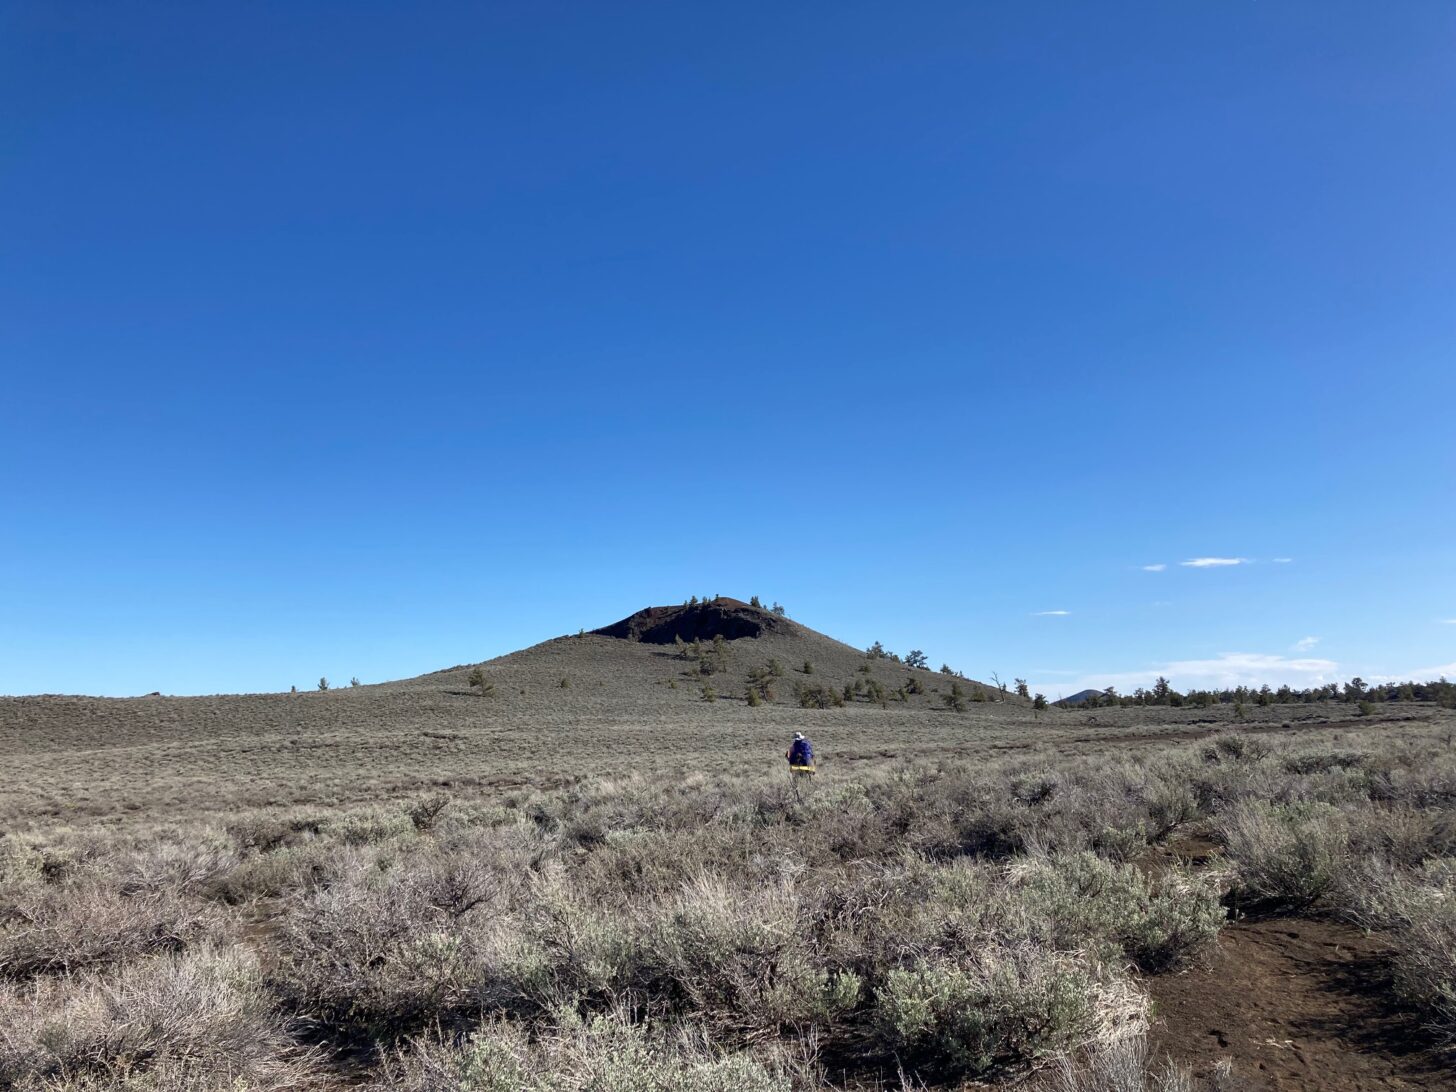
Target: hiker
point(801, 756)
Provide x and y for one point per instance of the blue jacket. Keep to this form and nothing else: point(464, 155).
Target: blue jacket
point(801, 753)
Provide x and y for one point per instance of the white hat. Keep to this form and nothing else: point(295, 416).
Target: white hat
point(798, 735)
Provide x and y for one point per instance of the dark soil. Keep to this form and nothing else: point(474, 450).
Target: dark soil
point(1299, 1005)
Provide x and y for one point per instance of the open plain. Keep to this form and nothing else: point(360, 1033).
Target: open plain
point(582, 866)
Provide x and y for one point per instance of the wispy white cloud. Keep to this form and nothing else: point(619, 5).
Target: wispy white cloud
point(1417, 674)
point(1051, 613)
point(1282, 560)
point(1213, 562)
point(1159, 567)
point(1304, 644)
point(1448, 621)
point(1229, 669)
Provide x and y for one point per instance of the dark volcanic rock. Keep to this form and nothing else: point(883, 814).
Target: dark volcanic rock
point(721, 617)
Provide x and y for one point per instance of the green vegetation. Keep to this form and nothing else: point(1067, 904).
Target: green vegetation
point(761, 682)
point(1356, 692)
point(817, 696)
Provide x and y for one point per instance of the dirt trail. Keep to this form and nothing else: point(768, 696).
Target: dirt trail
point(1297, 1005)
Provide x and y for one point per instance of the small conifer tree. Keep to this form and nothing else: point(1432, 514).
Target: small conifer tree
point(478, 680)
point(956, 699)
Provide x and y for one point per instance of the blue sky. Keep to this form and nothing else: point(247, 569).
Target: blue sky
point(363, 339)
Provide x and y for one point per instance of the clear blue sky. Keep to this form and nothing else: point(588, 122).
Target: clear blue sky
point(364, 339)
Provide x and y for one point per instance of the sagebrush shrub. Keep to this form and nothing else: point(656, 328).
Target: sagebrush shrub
point(182, 867)
point(1079, 899)
point(373, 826)
point(736, 962)
point(1285, 854)
point(606, 1054)
point(1425, 960)
point(201, 1021)
point(994, 1006)
point(425, 812)
point(947, 919)
point(1417, 911)
point(376, 955)
point(73, 926)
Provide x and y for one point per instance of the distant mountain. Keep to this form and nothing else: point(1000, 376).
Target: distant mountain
point(657, 661)
point(1079, 698)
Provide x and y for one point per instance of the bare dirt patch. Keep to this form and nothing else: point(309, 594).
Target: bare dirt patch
point(1299, 1006)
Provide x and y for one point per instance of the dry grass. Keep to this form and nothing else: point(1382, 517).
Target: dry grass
point(976, 913)
point(199, 1021)
point(610, 1053)
point(1120, 1066)
point(71, 757)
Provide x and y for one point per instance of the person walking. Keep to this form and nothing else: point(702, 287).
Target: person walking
point(801, 756)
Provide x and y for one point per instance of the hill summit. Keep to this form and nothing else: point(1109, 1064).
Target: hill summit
point(730, 619)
